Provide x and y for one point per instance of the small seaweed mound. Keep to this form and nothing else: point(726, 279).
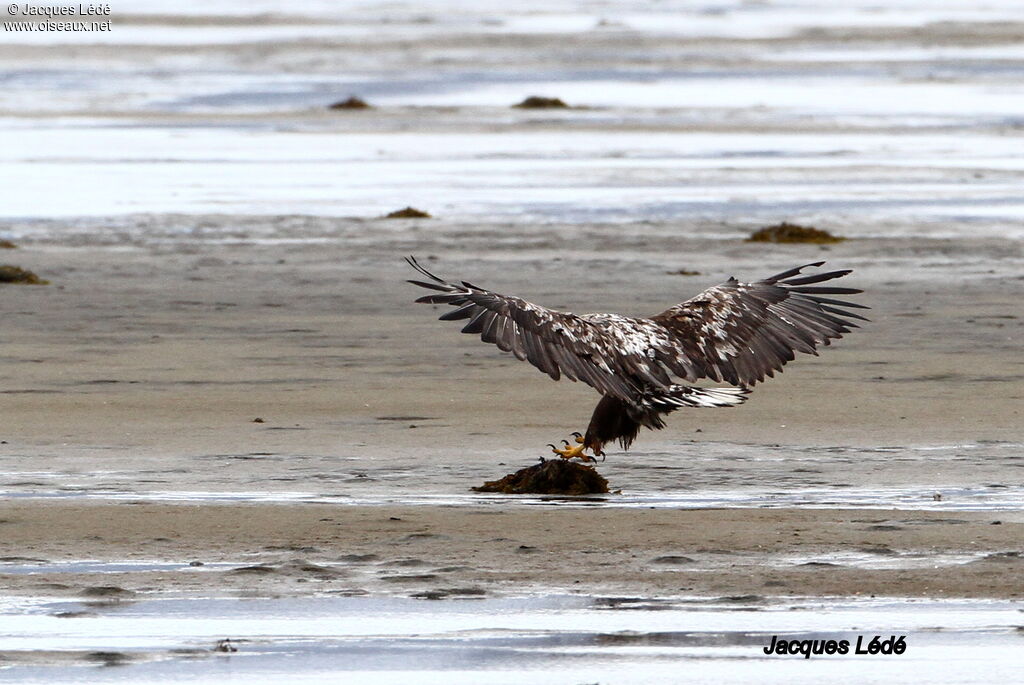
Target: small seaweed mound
point(537, 102)
point(551, 477)
point(6, 244)
point(793, 233)
point(408, 213)
point(351, 103)
point(15, 274)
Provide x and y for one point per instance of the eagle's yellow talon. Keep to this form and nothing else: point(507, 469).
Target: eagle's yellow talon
point(572, 452)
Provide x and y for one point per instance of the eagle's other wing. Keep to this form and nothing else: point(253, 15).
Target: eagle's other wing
point(557, 343)
point(742, 332)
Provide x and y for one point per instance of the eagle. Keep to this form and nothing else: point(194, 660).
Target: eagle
point(736, 333)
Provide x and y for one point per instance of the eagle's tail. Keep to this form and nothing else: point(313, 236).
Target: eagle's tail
point(615, 419)
point(687, 396)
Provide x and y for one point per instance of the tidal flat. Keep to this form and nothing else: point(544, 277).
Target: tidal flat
point(224, 419)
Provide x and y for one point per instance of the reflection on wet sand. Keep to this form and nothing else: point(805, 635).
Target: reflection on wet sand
point(553, 637)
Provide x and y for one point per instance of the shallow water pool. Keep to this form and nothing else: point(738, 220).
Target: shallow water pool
point(537, 639)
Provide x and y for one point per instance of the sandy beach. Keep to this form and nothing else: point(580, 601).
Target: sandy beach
point(138, 374)
point(498, 550)
point(225, 408)
point(164, 349)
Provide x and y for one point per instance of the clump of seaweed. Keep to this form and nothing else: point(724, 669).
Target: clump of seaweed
point(15, 274)
point(7, 245)
point(683, 272)
point(538, 102)
point(550, 477)
point(408, 213)
point(352, 102)
point(793, 233)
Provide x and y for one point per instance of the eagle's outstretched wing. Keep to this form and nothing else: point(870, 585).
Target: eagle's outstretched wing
point(557, 343)
point(742, 332)
point(734, 332)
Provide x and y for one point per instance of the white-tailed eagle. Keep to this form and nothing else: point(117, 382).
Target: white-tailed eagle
point(737, 333)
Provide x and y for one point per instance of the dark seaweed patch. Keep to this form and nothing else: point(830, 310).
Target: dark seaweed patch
point(538, 102)
point(793, 233)
point(550, 477)
point(408, 213)
point(15, 274)
point(352, 102)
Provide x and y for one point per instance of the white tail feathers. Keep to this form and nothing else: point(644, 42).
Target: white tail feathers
point(686, 396)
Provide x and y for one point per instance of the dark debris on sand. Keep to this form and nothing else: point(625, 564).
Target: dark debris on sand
point(15, 274)
point(793, 233)
point(408, 213)
point(108, 658)
point(551, 477)
point(7, 245)
point(537, 102)
point(351, 103)
point(107, 592)
point(225, 645)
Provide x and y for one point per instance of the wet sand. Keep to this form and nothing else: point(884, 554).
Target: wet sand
point(140, 371)
point(452, 552)
point(163, 346)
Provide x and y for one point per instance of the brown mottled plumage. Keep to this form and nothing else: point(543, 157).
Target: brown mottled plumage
point(737, 333)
